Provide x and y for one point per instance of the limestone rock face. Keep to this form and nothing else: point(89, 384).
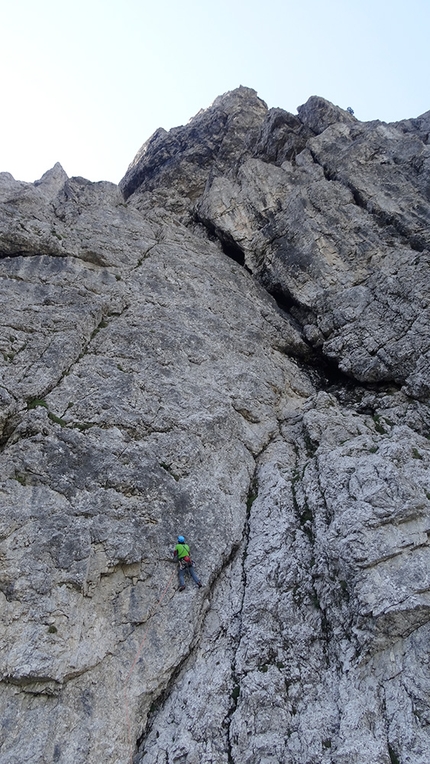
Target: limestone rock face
point(177, 164)
point(232, 345)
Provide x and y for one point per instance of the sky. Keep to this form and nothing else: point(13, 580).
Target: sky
point(86, 82)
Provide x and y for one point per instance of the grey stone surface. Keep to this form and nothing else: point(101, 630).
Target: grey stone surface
point(342, 237)
point(151, 385)
point(318, 114)
point(176, 165)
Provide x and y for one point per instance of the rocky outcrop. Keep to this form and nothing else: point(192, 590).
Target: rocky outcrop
point(176, 165)
point(232, 345)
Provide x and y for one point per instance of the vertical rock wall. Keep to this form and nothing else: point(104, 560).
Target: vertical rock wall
point(232, 346)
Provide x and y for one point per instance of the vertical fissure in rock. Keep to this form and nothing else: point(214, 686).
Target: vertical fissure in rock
point(235, 691)
point(9, 426)
point(306, 523)
point(394, 759)
point(159, 701)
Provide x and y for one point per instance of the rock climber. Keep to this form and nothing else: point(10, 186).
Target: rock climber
point(185, 563)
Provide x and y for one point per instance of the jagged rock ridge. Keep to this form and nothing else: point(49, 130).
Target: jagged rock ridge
point(153, 385)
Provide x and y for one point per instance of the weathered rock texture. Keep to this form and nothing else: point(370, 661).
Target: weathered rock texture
point(234, 345)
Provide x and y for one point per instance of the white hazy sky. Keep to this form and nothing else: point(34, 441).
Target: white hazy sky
point(86, 82)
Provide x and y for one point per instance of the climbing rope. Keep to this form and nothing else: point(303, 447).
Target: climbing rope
point(136, 658)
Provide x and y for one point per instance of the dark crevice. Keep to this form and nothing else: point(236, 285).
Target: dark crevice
point(296, 314)
point(9, 428)
point(325, 375)
point(235, 692)
point(234, 252)
point(229, 246)
point(393, 755)
point(283, 297)
point(323, 371)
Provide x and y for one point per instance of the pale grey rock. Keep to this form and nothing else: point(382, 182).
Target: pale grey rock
point(340, 236)
point(106, 458)
point(151, 386)
point(176, 164)
point(363, 300)
point(394, 185)
point(329, 213)
point(65, 225)
point(330, 621)
point(52, 181)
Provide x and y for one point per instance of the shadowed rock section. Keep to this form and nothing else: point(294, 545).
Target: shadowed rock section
point(232, 345)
